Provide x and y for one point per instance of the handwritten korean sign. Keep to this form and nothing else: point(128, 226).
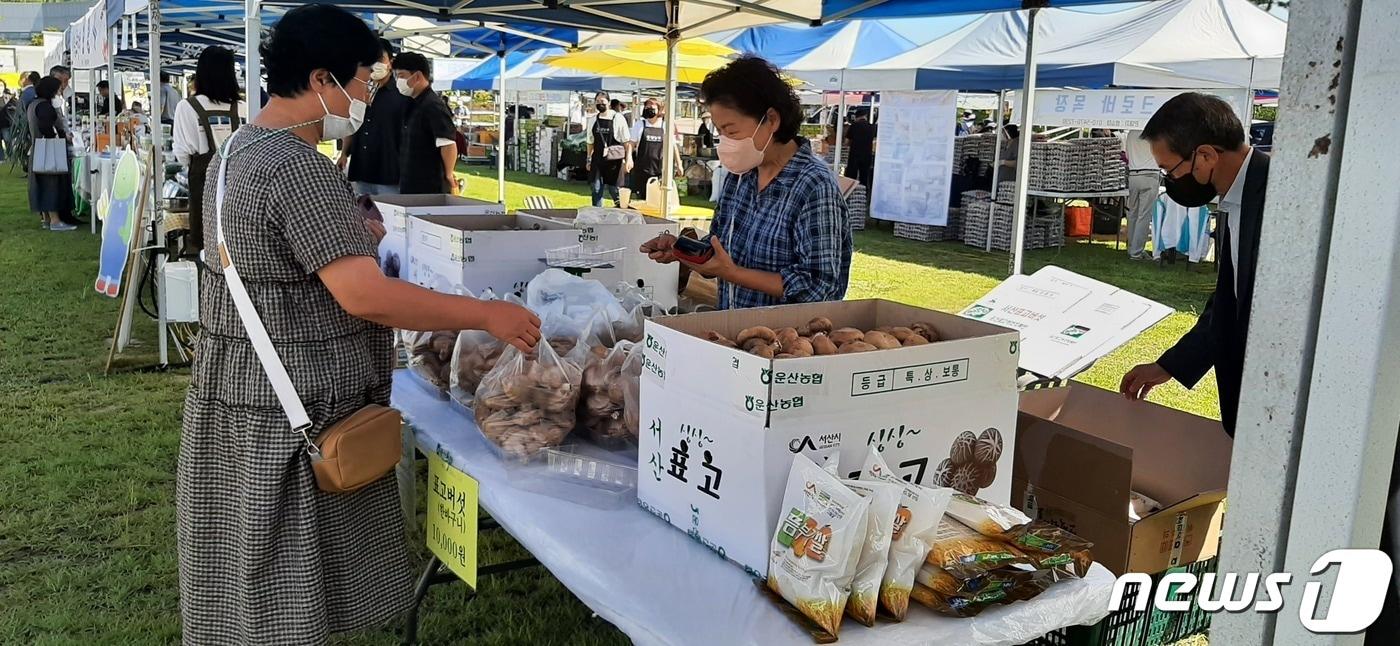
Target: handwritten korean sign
point(452, 515)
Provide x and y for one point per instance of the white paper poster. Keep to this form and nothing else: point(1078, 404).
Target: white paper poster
point(913, 157)
point(1117, 109)
point(1067, 321)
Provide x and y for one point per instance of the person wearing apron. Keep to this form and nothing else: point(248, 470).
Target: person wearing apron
point(199, 162)
point(647, 159)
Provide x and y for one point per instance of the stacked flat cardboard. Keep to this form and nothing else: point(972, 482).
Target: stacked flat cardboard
point(1088, 165)
point(983, 147)
point(982, 219)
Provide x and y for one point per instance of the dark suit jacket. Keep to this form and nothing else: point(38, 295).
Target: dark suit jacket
point(1218, 338)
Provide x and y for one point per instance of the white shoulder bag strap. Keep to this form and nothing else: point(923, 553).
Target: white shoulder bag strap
point(257, 334)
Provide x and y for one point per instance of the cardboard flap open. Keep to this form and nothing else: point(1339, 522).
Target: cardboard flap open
point(1179, 455)
point(1094, 472)
point(473, 222)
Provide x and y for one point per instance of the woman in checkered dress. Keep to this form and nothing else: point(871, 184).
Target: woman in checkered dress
point(265, 556)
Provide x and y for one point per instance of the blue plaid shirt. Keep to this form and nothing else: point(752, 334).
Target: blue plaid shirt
point(797, 227)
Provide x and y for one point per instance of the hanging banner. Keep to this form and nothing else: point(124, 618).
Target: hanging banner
point(1116, 109)
point(87, 39)
point(913, 158)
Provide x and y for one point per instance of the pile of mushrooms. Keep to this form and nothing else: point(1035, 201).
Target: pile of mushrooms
point(818, 338)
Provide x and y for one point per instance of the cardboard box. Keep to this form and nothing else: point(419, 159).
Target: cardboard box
point(1080, 450)
point(397, 209)
point(660, 281)
point(448, 253)
point(742, 417)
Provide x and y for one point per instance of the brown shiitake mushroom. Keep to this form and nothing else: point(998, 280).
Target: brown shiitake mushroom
point(846, 335)
point(822, 344)
point(786, 336)
point(926, 330)
point(914, 339)
point(856, 346)
point(881, 340)
point(757, 331)
point(716, 337)
point(754, 343)
point(800, 348)
point(819, 325)
point(764, 350)
point(783, 355)
point(901, 333)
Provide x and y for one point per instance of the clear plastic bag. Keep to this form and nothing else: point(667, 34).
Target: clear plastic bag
point(528, 402)
point(555, 293)
point(602, 402)
point(816, 546)
point(430, 357)
point(599, 215)
point(475, 354)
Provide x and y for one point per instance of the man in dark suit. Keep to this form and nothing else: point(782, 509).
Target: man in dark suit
point(1200, 146)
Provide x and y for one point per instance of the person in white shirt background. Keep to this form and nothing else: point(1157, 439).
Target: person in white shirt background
point(203, 122)
point(1144, 184)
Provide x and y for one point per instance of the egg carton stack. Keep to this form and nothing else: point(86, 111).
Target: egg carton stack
point(858, 207)
point(983, 219)
point(1089, 165)
point(1006, 193)
point(983, 147)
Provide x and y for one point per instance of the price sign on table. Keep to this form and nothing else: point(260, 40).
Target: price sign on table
point(452, 515)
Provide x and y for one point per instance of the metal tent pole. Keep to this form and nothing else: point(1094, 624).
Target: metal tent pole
point(996, 158)
point(1023, 156)
point(157, 172)
point(668, 140)
point(252, 59)
point(501, 121)
point(840, 124)
point(94, 189)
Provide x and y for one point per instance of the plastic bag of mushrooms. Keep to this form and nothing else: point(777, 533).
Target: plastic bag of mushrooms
point(474, 355)
point(820, 337)
point(430, 357)
point(529, 401)
point(608, 409)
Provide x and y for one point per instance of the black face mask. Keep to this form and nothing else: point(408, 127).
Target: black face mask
point(602, 107)
point(1188, 192)
point(648, 113)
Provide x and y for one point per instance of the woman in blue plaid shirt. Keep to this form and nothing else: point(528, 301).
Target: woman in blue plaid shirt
point(780, 232)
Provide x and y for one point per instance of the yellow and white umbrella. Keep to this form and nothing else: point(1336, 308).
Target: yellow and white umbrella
point(695, 57)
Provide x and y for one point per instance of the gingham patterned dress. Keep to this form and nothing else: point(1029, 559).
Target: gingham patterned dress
point(265, 556)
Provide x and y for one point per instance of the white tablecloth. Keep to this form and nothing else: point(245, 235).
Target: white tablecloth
point(660, 587)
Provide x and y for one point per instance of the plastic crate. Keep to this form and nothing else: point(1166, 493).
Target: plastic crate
point(1126, 627)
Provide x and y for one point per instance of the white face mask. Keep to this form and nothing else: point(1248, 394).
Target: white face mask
point(740, 156)
point(378, 71)
point(334, 126)
point(404, 88)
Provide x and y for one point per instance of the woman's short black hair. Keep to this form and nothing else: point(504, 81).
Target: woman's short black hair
point(752, 86)
point(313, 37)
point(47, 87)
point(413, 62)
point(217, 79)
point(34, 78)
point(388, 48)
point(1013, 130)
point(1192, 119)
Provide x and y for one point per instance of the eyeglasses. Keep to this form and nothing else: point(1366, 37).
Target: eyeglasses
point(1168, 174)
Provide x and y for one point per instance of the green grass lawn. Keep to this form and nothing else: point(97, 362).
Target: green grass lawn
point(87, 517)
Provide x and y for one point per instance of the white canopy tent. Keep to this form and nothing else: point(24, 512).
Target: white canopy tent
point(1166, 44)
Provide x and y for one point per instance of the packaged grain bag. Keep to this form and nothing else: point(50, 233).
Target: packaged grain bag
point(915, 523)
point(884, 500)
point(816, 546)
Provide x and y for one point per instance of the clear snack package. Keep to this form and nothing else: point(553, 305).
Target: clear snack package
point(816, 547)
point(916, 523)
point(884, 500)
point(602, 402)
point(988, 518)
point(529, 402)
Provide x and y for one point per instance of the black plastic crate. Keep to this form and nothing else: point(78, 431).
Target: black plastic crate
point(1127, 627)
